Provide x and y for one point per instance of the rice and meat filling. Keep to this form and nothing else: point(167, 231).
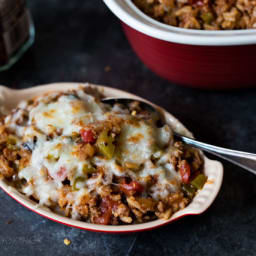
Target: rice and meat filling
point(95, 162)
point(202, 14)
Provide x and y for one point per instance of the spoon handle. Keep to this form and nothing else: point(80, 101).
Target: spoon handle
point(242, 159)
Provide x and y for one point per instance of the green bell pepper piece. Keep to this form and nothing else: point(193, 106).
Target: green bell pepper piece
point(188, 190)
point(105, 144)
point(199, 181)
point(78, 179)
point(88, 169)
point(207, 17)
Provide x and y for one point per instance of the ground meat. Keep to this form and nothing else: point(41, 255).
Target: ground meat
point(84, 151)
point(202, 14)
point(83, 210)
point(123, 212)
point(25, 158)
point(191, 155)
point(9, 154)
point(143, 205)
point(63, 199)
point(5, 168)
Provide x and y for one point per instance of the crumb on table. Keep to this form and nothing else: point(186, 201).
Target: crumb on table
point(107, 69)
point(67, 241)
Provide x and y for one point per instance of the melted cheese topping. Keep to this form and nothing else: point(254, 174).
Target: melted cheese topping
point(136, 143)
point(53, 159)
point(68, 114)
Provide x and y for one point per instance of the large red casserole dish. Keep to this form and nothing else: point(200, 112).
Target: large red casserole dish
point(196, 58)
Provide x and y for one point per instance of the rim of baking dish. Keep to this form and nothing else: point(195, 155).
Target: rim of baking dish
point(127, 12)
point(214, 170)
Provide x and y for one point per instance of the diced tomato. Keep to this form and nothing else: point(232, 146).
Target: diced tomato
point(102, 220)
point(131, 188)
point(62, 173)
point(88, 135)
point(185, 171)
point(106, 207)
point(107, 204)
point(198, 2)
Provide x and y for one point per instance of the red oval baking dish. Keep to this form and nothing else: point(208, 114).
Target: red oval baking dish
point(202, 201)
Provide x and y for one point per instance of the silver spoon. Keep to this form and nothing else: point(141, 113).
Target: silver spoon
point(242, 159)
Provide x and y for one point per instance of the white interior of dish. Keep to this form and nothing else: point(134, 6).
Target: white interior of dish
point(213, 169)
point(126, 11)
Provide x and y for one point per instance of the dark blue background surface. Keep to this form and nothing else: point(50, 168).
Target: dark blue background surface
point(75, 41)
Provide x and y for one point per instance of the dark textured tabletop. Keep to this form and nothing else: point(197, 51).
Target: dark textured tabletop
point(83, 41)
